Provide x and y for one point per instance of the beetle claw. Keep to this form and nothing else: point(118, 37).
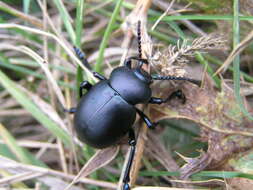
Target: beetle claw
point(71, 110)
point(154, 125)
point(126, 186)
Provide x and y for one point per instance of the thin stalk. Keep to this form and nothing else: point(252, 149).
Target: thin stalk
point(79, 29)
point(108, 31)
point(236, 62)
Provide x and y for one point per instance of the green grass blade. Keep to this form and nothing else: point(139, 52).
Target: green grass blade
point(108, 31)
point(21, 154)
point(79, 22)
point(200, 17)
point(222, 174)
point(236, 62)
point(5, 151)
point(66, 19)
point(162, 37)
point(26, 6)
point(23, 62)
point(210, 71)
point(12, 145)
point(79, 28)
point(4, 62)
point(218, 62)
point(177, 29)
point(35, 111)
point(158, 173)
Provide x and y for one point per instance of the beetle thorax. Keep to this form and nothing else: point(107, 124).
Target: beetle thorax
point(130, 86)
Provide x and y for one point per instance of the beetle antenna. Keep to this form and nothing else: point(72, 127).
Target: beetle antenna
point(159, 77)
point(139, 38)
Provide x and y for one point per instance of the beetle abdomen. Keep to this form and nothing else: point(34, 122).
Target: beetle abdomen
point(103, 117)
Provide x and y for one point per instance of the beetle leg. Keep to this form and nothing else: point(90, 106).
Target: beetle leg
point(71, 110)
point(85, 62)
point(128, 63)
point(99, 76)
point(132, 143)
point(159, 77)
point(179, 94)
point(145, 118)
point(154, 100)
point(82, 57)
point(84, 85)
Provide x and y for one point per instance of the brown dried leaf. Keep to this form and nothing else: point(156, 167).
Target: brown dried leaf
point(194, 165)
point(98, 160)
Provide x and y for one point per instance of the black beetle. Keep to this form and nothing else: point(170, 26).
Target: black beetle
point(107, 111)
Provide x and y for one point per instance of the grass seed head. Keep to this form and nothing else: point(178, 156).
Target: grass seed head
point(171, 60)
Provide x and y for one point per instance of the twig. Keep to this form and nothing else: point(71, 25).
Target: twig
point(163, 15)
point(239, 48)
point(187, 23)
point(139, 13)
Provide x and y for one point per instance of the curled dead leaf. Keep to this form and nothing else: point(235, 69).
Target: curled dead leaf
point(222, 124)
point(98, 160)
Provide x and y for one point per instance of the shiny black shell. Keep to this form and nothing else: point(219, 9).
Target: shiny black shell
point(103, 117)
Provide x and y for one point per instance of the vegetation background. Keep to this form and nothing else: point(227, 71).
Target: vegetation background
point(205, 143)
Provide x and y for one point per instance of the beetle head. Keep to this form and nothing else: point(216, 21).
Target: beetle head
point(131, 84)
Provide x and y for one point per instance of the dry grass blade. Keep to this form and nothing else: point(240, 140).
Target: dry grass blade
point(195, 29)
point(210, 181)
point(163, 15)
point(14, 112)
point(19, 177)
point(41, 62)
point(33, 20)
point(48, 19)
point(164, 188)
point(109, 52)
point(15, 167)
point(47, 109)
point(99, 6)
point(169, 13)
point(34, 144)
point(239, 48)
point(59, 41)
